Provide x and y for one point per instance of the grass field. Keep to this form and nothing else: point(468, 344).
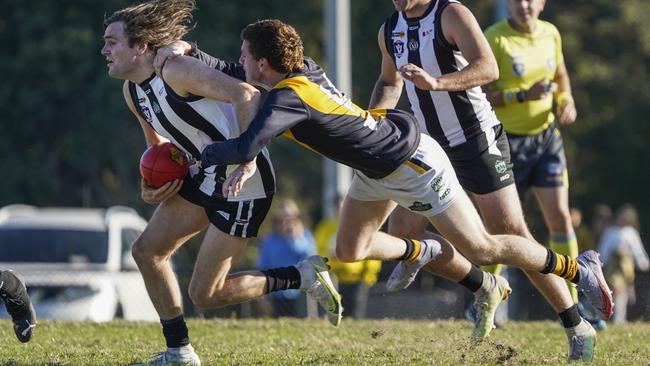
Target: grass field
point(315, 342)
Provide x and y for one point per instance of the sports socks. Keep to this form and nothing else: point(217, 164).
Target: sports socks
point(175, 332)
point(278, 279)
point(413, 249)
point(562, 265)
point(474, 279)
point(570, 317)
point(567, 245)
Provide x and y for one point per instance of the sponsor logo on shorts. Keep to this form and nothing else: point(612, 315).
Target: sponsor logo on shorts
point(445, 194)
point(500, 166)
point(437, 183)
point(555, 169)
point(504, 177)
point(419, 206)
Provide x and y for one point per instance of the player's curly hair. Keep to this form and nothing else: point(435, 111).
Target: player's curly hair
point(276, 41)
point(156, 22)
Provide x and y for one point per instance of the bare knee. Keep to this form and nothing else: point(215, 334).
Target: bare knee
point(202, 298)
point(142, 253)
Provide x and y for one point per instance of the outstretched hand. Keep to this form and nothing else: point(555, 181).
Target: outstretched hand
point(235, 181)
point(153, 195)
point(419, 77)
point(178, 48)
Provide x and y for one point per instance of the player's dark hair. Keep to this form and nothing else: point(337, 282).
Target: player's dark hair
point(157, 22)
point(277, 42)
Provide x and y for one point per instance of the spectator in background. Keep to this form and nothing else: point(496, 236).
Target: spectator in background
point(289, 243)
point(584, 235)
point(621, 250)
point(355, 278)
point(600, 220)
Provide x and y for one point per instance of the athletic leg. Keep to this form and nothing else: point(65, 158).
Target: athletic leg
point(172, 224)
point(554, 204)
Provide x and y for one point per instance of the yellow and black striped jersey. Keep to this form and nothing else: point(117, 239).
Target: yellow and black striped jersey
point(307, 108)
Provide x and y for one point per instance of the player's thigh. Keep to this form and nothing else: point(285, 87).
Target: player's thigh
point(501, 211)
point(218, 254)
point(360, 220)
point(173, 222)
point(461, 225)
point(403, 222)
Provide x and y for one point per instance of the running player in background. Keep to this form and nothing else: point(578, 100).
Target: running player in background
point(394, 163)
point(438, 47)
point(193, 105)
point(14, 294)
point(533, 80)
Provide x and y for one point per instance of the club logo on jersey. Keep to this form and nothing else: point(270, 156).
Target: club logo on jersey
point(550, 63)
point(518, 65)
point(147, 113)
point(419, 206)
point(427, 32)
point(398, 46)
point(500, 166)
point(156, 107)
point(414, 44)
point(437, 183)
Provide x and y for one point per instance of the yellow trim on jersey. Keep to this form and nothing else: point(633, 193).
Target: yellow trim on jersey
point(288, 134)
point(524, 59)
point(320, 98)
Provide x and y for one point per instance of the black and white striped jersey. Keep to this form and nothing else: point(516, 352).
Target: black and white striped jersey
point(449, 117)
point(192, 123)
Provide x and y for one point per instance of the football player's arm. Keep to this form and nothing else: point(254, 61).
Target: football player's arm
point(149, 194)
point(460, 29)
point(189, 76)
point(281, 111)
point(180, 48)
point(388, 87)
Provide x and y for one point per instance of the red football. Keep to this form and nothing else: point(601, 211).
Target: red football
point(162, 163)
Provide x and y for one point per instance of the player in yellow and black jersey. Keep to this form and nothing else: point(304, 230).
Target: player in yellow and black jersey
point(395, 165)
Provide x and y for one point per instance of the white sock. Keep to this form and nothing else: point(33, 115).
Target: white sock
point(582, 328)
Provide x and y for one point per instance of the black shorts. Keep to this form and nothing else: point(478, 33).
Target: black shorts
point(235, 218)
point(482, 164)
point(539, 160)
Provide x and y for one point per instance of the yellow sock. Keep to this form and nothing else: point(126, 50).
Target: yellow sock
point(567, 245)
point(495, 269)
point(417, 248)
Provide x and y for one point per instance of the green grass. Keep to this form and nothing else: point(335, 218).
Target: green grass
point(315, 342)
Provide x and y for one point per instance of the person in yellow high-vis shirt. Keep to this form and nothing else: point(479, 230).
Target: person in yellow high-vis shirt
point(354, 279)
point(531, 97)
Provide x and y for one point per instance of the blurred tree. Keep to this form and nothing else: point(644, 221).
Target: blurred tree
point(67, 138)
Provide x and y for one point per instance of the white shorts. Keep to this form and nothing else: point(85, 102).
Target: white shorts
point(425, 184)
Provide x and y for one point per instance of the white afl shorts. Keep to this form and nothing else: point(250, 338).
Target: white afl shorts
point(425, 184)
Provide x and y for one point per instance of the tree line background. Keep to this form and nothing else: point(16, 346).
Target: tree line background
point(68, 139)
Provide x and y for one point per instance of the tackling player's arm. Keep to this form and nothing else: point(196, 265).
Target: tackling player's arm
point(282, 110)
point(388, 87)
point(460, 29)
point(149, 194)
